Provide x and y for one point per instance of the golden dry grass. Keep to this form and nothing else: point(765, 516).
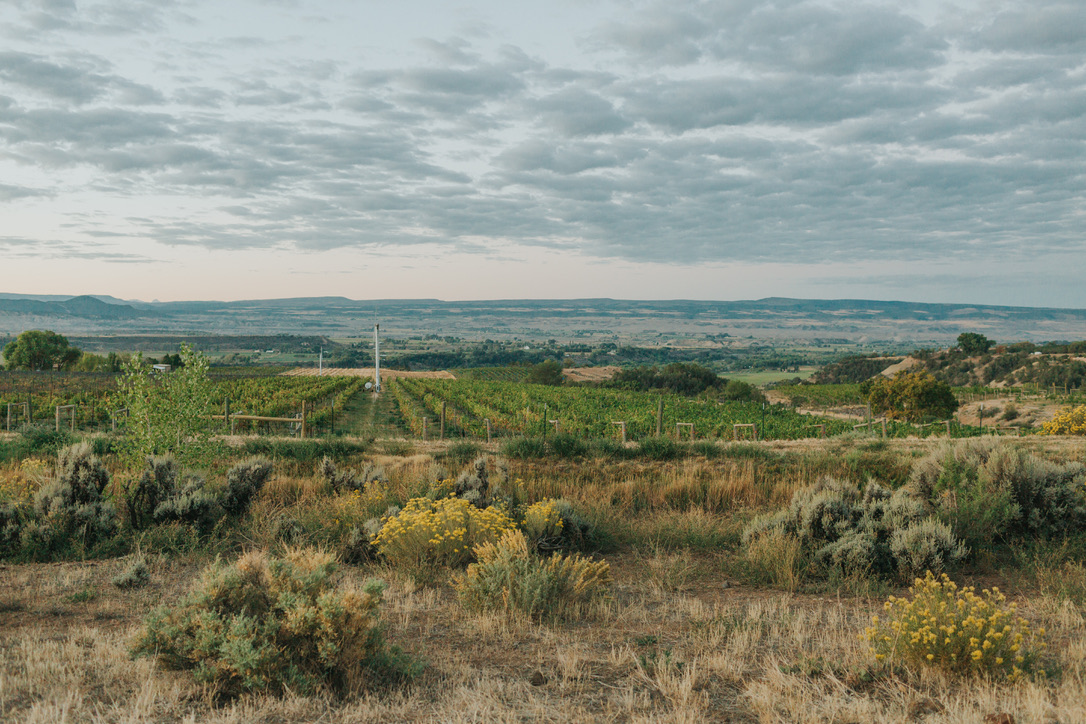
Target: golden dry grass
point(673, 645)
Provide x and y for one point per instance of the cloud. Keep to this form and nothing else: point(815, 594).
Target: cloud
point(74, 83)
point(681, 133)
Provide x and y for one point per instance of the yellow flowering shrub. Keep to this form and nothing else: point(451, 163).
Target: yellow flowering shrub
point(433, 533)
point(955, 630)
point(19, 485)
point(356, 506)
point(543, 520)
point(510, 577)
point(1071, 421)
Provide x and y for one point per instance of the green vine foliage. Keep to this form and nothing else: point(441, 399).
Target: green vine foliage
point(168, 413)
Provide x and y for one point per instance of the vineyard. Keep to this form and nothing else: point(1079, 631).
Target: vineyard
point(96, 398)
point(523, 409)
point(417, 405)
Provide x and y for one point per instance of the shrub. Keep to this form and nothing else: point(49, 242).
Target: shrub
point(926, 545)
point(1071, 421)
point(192, 503)
point(135, 576)
point(877, 533)
point(428, 534)
point(509, 577)
point(660, 448)
point(156, 484)
point(44, 439)
point(348, 480)
point(525, 448)
point(460, 453)
point(565, 445)
point(11, 527)
point(243, 482)
point(987, 491)
point(955, 630)
point(610, 449)
point(275, 624)
point(73, 506)
point(552, 525)
point(473, 485)
point(359, 545)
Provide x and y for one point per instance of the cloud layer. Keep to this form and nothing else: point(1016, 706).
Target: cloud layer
point(678, 132)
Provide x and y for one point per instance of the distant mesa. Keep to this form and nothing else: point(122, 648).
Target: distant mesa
point(86, 307)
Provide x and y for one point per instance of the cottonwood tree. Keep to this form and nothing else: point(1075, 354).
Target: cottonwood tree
point(974, 343)
point(910, 396)
point(168, 413)
point(40, 350)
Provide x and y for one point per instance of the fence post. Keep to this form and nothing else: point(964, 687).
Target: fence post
point(487, 421)
point(226, 415)
point(622, 426)
point(303, 419)
point(29, 409)
point(442, 421)
point(660, 418)
point(424, 421)
point(58, 419)
point(884, 428)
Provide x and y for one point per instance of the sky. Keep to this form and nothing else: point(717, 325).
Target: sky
point(735, 149)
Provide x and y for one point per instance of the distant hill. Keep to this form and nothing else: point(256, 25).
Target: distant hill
point(880, 324)
point(85, 307)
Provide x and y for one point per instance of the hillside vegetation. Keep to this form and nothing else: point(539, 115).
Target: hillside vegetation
point(1062, 365)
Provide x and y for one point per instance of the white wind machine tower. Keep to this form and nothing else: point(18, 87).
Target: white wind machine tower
point(376, 359)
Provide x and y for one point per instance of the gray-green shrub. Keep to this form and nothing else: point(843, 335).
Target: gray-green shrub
point(987, 491)
point(72, 507)
point(243, 482)
point(874, 532)
point(275, 625)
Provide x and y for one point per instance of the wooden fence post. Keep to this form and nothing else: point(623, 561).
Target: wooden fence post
point(487, 421)
point(660, 418)
point(303, 419)
point(424, 421)
point(622, 427)
point(442, 421)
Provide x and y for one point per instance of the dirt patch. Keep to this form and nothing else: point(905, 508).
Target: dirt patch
point(590, 374)
point(905, 364)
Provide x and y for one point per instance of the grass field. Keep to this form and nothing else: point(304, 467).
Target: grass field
point(695, 627)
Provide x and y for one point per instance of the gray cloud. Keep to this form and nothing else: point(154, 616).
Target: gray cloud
point(74, 83)
point(718, 131)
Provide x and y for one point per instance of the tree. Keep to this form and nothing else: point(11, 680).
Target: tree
point(973, 343)
point(40, 350)
point(910, 396)
point(546, 373)
point(168, 414)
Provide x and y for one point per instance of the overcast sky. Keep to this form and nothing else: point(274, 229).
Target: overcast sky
point(929, 151)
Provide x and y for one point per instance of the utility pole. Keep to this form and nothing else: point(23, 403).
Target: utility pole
point(376, 358)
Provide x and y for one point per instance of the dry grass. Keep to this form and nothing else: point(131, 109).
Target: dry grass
point(673, 645)
point(678, 641)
